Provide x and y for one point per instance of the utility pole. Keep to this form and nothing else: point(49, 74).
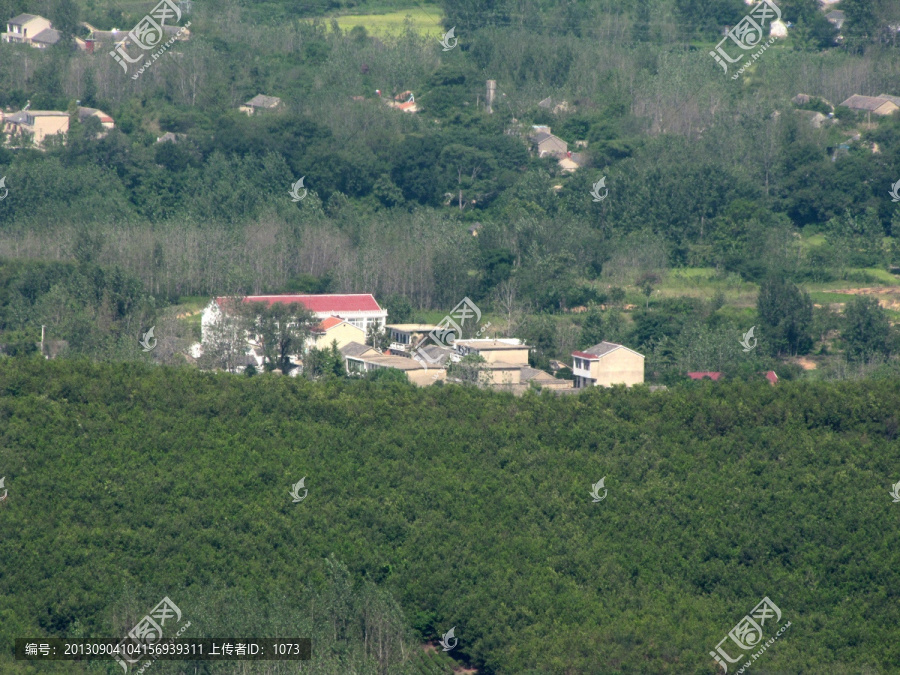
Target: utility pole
point(42, 340)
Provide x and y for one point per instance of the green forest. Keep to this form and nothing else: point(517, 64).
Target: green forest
point(451, 506)
point(714, 185)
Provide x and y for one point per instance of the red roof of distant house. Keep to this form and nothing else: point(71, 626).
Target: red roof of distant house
point(585, 355)
point(328, 323)
point(706, 373)
point(362, 302)
point(771, 376)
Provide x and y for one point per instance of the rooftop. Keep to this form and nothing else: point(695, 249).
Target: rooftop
point(412, 327)
point(362, 302)
point(263, 101)
point(22, 19)
point(487, 345)
point(601, 349)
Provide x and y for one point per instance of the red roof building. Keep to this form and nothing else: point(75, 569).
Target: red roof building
point(357, 309)
point(699, 375)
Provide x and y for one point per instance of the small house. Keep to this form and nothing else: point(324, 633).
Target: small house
point(31, 29)
point(606, 364)
point(262, 103)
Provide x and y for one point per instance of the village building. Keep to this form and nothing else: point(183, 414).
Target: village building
point(361, 359)
point(31, 29)
point(405, 337)
point(871, 104)
point(334, 330)
point(262, 103)
point(606, 364)
point(360, 310)
point(34, 124)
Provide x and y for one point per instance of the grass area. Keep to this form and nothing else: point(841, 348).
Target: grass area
point(190, 311)
point(424, 19)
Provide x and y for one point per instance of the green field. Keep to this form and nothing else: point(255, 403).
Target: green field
point(425, 20)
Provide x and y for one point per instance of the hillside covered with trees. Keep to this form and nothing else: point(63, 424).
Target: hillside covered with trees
point(465, 508)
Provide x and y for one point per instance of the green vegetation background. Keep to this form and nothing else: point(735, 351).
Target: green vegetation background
point(130, 482)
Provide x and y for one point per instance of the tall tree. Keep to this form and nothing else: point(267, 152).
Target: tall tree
point(281, 329)
point(866, 329)
point(785, 314)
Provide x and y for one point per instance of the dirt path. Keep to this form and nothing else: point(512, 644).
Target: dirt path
point(887, 296)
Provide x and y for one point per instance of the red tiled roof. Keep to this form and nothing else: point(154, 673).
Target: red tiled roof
point(771, 376)
point(362, 302)
point(585, 355)
point(706, 373)
point(328, 323)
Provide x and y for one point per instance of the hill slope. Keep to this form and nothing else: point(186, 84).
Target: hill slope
point(472, 508)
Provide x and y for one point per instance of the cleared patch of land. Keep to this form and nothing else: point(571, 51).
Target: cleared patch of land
point(425, 20)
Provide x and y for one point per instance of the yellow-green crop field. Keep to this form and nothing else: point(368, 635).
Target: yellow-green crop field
point(425, 20)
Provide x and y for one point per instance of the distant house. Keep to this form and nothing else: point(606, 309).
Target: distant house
point(547, 145)
point(31, 29)
point(816, 119)
point(511, 352)
point(836, 17)
point(772, 377)
point(893, 99)
point(547, 103)
point(361, 359)
point(360, 310)
point(36, 124)
point(262, 103)
point(533, 376)
point(169, 137)
point(606, 364)
point(404, 337)
point(100, 39)
point(333, 330)
point(85, 114)
point(871, 104)
point(405, 101)
point(572, 161)
point(699, 375)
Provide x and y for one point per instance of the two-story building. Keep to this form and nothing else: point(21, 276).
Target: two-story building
point(30, 29)
point(333, 330)
point(404, 337)
point(358, 309)
point(606, 364)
